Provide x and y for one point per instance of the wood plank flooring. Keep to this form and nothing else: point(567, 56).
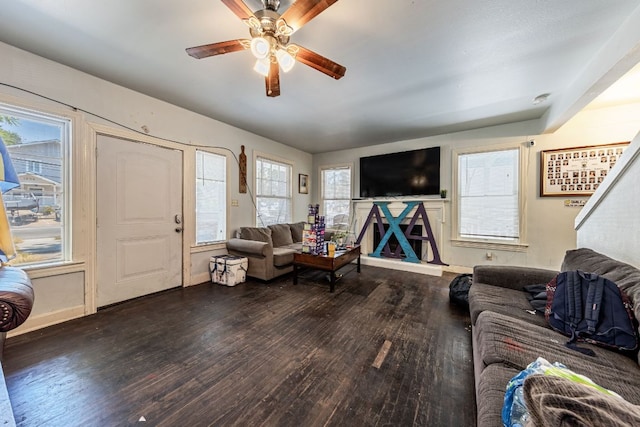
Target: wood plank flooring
point(256, 354)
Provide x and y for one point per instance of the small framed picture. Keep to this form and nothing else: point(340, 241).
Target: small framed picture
point(303, 183)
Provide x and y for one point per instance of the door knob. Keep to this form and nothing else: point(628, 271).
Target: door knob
point(178, 229)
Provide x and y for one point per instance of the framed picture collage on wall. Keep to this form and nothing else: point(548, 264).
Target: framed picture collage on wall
point(577, 171)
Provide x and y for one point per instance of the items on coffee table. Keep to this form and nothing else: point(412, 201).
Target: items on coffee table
point(313, 233)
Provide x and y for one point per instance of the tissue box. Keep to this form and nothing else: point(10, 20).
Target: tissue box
point(228, 270)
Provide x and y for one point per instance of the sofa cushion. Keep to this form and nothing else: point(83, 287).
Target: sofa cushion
point(490, 389)
point(624, 275)
point(261, 234)
point(511, 277)
point(282, 256)
point(295, 246)
point(296, 231)
point(511, 302)
point(513, 342)
point(281, 235)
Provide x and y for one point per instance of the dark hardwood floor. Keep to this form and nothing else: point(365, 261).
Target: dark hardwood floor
point(256, 354)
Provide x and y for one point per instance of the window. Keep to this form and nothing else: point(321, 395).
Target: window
point(336, 196)
point(33, 166)
point(488, 196)
point(273, 192)
point(39, 208)
point(211, 197)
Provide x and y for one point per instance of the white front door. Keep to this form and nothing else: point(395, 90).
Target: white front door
point(139, 211)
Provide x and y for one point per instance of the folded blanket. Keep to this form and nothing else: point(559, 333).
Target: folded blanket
point(556, 401)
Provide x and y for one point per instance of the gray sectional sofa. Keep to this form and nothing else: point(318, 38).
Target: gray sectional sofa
point(269, 250)
point(507, 336)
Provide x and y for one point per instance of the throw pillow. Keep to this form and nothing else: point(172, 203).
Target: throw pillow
point(296, 231)
point(261, 234)
point(281, 235)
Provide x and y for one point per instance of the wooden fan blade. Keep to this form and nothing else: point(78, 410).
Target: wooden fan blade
point(207, 50)
point(272, 81)
point(239, 8)
point(303, 11)
point(320, 63)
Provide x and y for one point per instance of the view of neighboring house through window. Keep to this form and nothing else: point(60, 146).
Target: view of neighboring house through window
point(37, 210)
point(273, 192)
point(488, 195)
point(336, 196)
point(211, 197)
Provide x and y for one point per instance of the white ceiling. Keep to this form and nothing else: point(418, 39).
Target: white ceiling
point(415, 68)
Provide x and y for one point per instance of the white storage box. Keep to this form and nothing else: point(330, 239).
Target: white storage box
point(228, 269)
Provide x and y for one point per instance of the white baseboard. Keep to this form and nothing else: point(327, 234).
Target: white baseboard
point(48, 319)
point(458, 269)
point(394, 264)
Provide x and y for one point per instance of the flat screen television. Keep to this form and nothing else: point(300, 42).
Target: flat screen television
point(407, 173)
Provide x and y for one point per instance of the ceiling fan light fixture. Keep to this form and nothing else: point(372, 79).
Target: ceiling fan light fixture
point(285, 60)
point(262, 66)
point(269, 40)
point(260, 47)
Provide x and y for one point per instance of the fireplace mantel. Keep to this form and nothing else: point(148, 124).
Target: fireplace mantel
point(435, 209)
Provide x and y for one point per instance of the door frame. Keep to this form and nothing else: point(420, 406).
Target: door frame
point(90, 155)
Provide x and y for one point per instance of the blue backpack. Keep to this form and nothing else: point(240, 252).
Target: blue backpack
point(590, 308)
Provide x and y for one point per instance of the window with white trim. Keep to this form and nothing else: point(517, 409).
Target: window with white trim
point(39, 209)
point(273, 191)
point(336, 196)
point(488, 196)
point(211, 197)
point(34, 166)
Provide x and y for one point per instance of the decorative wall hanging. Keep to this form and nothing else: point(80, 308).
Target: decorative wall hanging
point(577, 171)
point(242, 165)
point(383, 250)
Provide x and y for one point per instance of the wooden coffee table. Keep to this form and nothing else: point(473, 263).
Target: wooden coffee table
point(327, 263)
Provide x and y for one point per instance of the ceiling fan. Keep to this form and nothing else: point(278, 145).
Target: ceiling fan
point(270, 33)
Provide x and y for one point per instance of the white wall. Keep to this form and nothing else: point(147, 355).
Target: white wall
point(154, 119)
point(549, 224)
point(610, 222)
point(58, 291)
